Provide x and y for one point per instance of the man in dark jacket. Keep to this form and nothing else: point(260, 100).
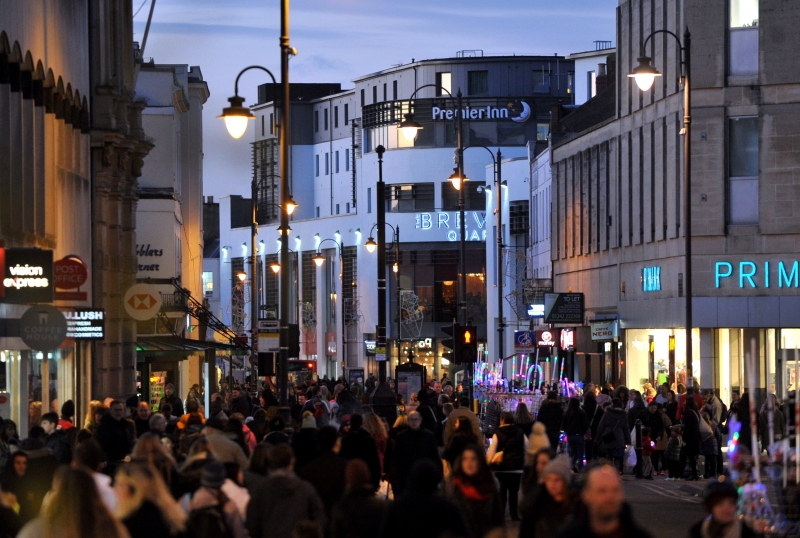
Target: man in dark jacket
point(551, 414)
point(173, 400)
point(56, 439)
point(283, 500)
point(358, 443)
point(412, 445)
point(421, 512)
point(116, 434)
point(142, 419)
point(511, 441)
point(613, 433)
point(240, 403)
point(426, 411)
point(607, 514)
point(327, 472)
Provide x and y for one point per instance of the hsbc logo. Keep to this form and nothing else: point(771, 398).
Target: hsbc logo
point(142, 302)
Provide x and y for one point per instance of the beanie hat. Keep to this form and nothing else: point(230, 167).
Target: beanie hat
point(560, 466)
point(214, 475)
point(538, 438)
point(309, 421)
point(717, 490)
point(132, 401)
point(68, 409)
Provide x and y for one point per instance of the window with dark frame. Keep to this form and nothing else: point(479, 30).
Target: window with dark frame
point(336, 162)
point(336, 117)
point(394, 90)
point(518, 217)
point(478, 82)
point(743, 166)
point(409, 198)
point(325, 118)
point(374, 94)
point(473, 200)
point(316, 121)
point(347, 110)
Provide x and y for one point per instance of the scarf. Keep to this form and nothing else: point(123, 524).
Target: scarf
point(712, 529)
point(472, 491)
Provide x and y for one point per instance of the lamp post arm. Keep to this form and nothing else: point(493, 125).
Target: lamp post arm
point(430, 86)
point(236, 84)
point(319, 247)
point(683, 46)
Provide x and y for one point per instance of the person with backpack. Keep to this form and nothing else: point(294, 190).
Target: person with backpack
point(211, 513)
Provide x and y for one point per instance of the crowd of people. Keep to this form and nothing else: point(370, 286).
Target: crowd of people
point(331, 466)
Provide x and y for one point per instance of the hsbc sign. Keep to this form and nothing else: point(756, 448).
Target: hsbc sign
point(142, 302)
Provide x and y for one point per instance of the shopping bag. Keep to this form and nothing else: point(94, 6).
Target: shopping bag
point(630, 459)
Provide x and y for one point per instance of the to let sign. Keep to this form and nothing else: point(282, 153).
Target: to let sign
point(563, 308)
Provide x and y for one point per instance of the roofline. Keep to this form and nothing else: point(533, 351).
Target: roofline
point(469, 59)
point(590, 53)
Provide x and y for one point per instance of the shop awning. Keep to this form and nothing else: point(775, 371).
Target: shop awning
point(173, 345)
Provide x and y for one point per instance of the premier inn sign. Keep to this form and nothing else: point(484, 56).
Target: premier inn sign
point(491, 113)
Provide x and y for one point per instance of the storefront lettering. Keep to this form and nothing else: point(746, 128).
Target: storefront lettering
point(426, 221)
point(145, 250)
point(651, 278)
point(749, 277)
point(470, 113)
point(21, 277)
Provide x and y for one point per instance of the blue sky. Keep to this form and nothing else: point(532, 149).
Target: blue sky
point(338, 40)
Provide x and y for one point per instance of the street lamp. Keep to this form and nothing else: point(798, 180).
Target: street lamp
point(645, 74)
point(370, 244)
point(498, 181)
point(410, 127)
point(237, 118)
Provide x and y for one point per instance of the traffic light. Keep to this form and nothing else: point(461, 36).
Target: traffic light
point(294, 340)
point(449, 343)
point(466, 344)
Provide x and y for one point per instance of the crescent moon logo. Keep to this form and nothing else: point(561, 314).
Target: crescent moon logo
point(524, 115)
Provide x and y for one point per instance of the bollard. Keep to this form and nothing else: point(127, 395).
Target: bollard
point(638, 447)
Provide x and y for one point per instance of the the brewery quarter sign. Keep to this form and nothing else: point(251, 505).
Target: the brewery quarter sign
point(28, 276)
point(564, 308)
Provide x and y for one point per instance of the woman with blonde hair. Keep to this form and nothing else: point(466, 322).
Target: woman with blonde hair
point(34, 414)
point(90, 423)
point(145, 505)
point(377, 430)
point(150, 449)
point(74, 510)
point(648, 392)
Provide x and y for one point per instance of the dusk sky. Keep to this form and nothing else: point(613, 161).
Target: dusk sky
point(338, 40)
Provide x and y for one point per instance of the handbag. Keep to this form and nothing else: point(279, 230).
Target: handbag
point(705, 429)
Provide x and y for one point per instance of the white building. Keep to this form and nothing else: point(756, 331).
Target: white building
point(169, 223)
point(334, 171)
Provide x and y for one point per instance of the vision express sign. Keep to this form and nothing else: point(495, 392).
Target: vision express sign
point(563, 308)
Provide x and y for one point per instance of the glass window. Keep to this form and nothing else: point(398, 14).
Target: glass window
point(335, 117)
point(327, 165)
point(374, 94)
point(443, 80)
point(409, 198)
point(743, 38)
point(473, 199)
point(347, 160)
point(541, 81)
point(325, 114)
point(542, 131)
point(336, 164)
point(478, 82)
point(316, 121)
point(384, 91)
point(743, 170)
point(316, 165)
point(369, 200)
point(208, 283)
point(347, 110)
point(394, 90)
point(744, 13)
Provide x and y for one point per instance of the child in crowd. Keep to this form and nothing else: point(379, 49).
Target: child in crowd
point(674, 448)
point(647, 451)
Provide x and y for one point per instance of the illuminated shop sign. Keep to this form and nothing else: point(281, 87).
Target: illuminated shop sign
point(748, 274)
point(28, 275)
point(536, 311)
point(547, 339)
point(482, 113)
point(651, 278)
point(451, 223)
point(86, 324)
point(568, 339)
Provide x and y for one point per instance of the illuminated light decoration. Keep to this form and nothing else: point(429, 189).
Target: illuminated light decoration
point(651, 279)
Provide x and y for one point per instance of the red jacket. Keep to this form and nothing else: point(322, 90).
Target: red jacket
point(682, 401)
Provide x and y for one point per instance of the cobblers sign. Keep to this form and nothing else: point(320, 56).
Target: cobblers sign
point(28, 276)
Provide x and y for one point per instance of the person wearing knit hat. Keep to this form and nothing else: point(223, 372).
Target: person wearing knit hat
point(305, 442)
point(536, 441)
point(309, 421)
point(552, 504)
point(209, 496)
point(720, 499)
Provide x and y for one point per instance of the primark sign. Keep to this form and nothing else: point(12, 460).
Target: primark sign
point(757, 275)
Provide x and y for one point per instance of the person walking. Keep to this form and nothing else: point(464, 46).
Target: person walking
point(691, 435)
point(412, 445)
point(359, 513)
point(462, 437)
point(551, 504)
point(606, 512)
point(284, 500)
point(551, 415)
point(720, 499)
point(507, 458)
point(614, 433)
point(145, 505)
point(327, 472)
point(56, 438)
point(575, 424)
point(211, 513)
point(473, 489)
point(116, 434)
point(674, 452)
point(658, 424)
point(172, 399)
point(75, 509)
point(358, 443)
